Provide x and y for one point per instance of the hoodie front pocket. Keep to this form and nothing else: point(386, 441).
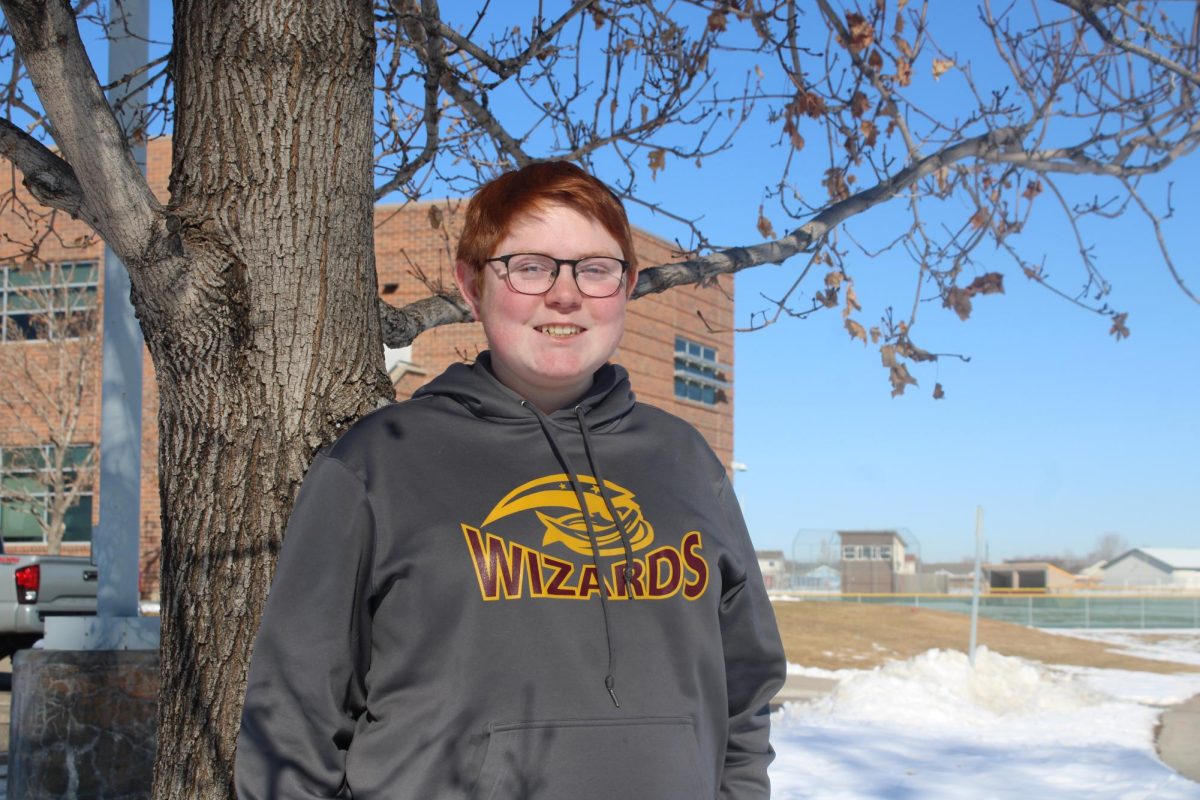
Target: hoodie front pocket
point(593, 759)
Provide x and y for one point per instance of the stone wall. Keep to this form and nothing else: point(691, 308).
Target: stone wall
point(83, 725)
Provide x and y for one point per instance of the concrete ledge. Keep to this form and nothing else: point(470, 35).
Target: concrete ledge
point(83, 725)
point(1178, 738)
point(802, 687)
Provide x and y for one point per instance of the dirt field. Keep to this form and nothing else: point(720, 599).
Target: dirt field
point(834, 635)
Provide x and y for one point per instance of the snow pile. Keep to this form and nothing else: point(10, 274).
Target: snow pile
point(933, 727)
point(942, 689)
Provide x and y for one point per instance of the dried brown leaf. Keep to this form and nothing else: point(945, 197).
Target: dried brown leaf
point(859, 104)
point(887, 354)
point(789, 128)
point(717, 21)
point(862, 33)
point(869, 132)
point(875, 60)
point(435, 217)
point(959, 300)
point(941, 66)
point(943, 179)
point(938, 394)
point(913, 353)
point(834, 278)
point(903, 72)
point(856, 331)
point(988, 283)
point(835, 184)
point(657, 160)
point(979, 219)
point(876, 334)
point(899, 377)
point(765, 229)
point(1119, 329)
point(852, 304)
point(1032, 190)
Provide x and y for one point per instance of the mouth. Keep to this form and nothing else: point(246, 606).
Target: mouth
point(559, 331)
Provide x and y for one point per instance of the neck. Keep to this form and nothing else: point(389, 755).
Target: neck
point(548, 399)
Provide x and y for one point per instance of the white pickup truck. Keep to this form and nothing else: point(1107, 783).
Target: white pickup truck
point(35, 587)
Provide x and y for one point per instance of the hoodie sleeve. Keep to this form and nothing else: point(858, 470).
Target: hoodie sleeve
point(306, 682)
point(754, 665)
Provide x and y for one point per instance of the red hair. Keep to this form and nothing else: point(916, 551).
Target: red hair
point(496, 207)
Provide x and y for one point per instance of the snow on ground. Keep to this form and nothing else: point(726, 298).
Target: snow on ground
point(931, 728)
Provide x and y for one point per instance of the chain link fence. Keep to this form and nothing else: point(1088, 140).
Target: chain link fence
point(1048, 610)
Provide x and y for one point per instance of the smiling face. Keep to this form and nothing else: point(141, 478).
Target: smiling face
point(546, 347)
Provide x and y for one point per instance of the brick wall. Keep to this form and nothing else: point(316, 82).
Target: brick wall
point(412, 253)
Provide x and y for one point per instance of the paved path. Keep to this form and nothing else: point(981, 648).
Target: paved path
point(1178, 738)
point(802, 687)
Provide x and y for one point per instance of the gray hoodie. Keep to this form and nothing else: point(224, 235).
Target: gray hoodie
point(452, 616)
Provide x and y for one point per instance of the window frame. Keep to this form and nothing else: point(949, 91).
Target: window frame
point(24, 293)
point(699, 377)
point(83, 507)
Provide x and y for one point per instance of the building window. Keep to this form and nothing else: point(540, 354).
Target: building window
point(27, 492)
point(49, 301)
point(698, 375)
point(885, 552)
point(849, 553)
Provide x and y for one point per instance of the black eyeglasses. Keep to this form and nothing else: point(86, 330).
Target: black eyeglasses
point(535, 273)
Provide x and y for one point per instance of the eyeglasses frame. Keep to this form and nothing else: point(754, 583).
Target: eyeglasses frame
point(558, 265)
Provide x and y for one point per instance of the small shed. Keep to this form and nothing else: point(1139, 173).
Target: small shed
point(1036, 576)
point(1154, 567)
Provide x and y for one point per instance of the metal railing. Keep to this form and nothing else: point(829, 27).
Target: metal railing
point(1040, 610)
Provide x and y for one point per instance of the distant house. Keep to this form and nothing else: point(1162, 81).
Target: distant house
point(872, 561)
point(952, 577)
point(773, 566)
point(1157, 567)
point(1040, 576)
point(817, 578)
point(1090, 577)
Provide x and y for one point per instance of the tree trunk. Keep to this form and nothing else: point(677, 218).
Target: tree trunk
point(274, 344)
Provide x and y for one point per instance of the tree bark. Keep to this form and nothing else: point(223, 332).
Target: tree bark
point(270, 342)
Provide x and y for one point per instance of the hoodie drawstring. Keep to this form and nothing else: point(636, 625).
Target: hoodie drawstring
point(610, 682)
point(622, 533)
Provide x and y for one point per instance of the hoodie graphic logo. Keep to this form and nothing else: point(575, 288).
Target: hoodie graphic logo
point(549, 508)
point(555, 493)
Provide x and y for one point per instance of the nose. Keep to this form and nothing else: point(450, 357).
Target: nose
point(564, 294)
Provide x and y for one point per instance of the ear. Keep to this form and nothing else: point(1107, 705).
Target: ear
point(467, 278)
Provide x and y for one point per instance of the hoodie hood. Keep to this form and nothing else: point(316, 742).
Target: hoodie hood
point(477, 389)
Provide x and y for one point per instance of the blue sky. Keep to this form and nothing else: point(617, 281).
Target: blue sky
point(1061, 433)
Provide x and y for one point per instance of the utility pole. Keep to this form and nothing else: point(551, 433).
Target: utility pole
point(116, 541)
point(975, 589)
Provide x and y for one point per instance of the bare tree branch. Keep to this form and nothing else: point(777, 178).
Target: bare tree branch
point(1085, 9)
point(48, 178)
point(120, 203)
point(401, 326)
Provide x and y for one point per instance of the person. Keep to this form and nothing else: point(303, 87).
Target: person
point(521, 583)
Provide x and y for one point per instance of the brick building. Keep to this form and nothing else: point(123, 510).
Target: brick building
point(674, 360)
point(872, 561)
